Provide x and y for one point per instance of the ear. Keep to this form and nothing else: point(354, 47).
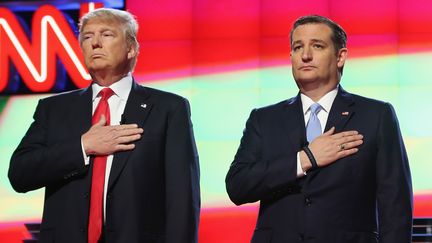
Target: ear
point(341, 57)
point(132, 52)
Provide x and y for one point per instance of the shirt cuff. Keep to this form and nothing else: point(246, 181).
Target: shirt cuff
point(300, 172)
point(86, 158)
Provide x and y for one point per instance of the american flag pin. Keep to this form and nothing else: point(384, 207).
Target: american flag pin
point(345, 113)
point(143, 105)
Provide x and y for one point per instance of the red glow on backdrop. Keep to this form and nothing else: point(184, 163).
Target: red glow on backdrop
point(227, 225)
point(13, 232)
point(187, 37)
point(423, 205)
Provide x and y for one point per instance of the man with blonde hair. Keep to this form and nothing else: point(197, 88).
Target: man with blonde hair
point(118, 160)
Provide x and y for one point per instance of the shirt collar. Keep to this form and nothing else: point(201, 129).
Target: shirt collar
point(326, 101)
point(121, 88)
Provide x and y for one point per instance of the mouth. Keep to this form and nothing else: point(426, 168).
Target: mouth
point(307, 67)
point(97, 55)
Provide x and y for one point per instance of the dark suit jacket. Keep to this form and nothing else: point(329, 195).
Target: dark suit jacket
point(153, 190)
point(363, 198)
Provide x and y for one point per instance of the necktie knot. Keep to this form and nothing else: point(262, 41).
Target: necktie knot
point(103, 106)
point(315, 108)
point(106, 93)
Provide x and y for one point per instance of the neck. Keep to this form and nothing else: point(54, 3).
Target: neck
point(316, 91)
point(106, 79)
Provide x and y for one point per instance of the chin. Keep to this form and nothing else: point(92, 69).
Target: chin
point(306, 79)
point(97, 67)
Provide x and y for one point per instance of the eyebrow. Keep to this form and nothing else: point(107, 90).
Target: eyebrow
point(101, 31)
point(296, 42)
point(87, 32)
point(107, 29)
point(318, 41)
point(312, 40)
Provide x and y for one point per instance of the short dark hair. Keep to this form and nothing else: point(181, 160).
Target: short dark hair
point(339, 37)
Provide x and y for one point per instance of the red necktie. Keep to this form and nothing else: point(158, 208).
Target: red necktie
point(98, 175)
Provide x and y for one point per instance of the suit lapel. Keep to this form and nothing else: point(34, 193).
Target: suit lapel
point(341, 112)
point(294, 123)
point(83, 112)
point(136, 111)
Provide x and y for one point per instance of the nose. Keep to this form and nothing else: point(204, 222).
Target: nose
point(307, 54)
point(96, 41)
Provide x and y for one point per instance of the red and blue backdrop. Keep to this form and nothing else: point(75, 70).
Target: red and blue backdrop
point(227, 57)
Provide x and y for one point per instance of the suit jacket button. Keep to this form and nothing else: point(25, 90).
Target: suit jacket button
point(301, 237)
point(86, 195)
point(308, 201)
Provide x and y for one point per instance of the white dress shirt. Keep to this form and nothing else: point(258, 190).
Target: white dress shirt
point(326, 103)
point(117, 104)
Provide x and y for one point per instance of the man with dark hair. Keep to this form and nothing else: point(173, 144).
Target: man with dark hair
point(338, 35)
point(118, 160)
point(327, 165)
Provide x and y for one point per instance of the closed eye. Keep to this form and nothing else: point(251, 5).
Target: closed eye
point(297, 47)
point(107, 34)
point(87, 36)
point(318, 46)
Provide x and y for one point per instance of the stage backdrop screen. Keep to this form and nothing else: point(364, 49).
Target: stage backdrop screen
point(226, 57)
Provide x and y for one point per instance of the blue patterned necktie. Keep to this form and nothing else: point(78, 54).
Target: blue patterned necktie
point(313, 128)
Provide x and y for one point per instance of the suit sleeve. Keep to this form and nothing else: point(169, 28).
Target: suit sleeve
point(182, 178)
point(38, 162)
point(394, 190)
point(253, 176)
